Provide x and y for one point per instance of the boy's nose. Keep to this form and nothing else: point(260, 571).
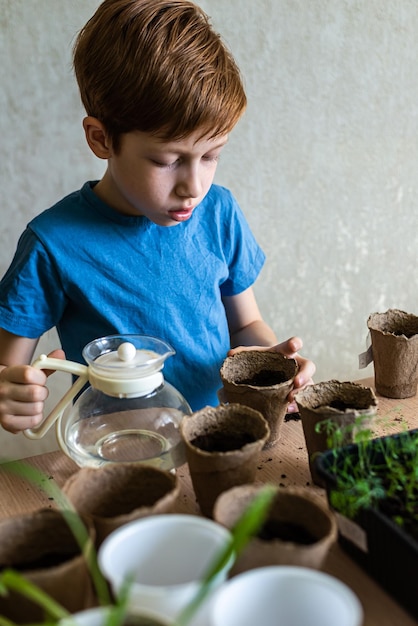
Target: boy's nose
point(189, 185)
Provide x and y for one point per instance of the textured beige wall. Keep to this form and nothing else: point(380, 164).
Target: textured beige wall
point(323, 163)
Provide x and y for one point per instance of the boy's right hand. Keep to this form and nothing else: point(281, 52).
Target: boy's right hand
point(23, 393)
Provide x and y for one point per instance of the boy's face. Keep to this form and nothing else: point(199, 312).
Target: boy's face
point(163, 180)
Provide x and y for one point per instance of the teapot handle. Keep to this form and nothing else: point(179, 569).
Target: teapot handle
point(45, 362)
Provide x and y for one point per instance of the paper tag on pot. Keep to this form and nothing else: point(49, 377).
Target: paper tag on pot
point(353, 532)
point(365, 358)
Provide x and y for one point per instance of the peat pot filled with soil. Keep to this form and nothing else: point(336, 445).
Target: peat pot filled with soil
point(223, 446)
point(42, 548)
point(299, 528)
point(261, 380)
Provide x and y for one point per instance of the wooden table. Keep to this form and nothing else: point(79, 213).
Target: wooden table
point(286, 464)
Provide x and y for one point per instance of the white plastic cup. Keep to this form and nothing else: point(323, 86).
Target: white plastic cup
point(295, 596)
point(167, 556)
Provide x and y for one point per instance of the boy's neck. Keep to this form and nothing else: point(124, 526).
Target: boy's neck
point(105, 190)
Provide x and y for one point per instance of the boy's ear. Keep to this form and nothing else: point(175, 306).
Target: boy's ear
point(96, 137)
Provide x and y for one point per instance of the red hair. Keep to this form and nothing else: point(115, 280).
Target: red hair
point(157, 66)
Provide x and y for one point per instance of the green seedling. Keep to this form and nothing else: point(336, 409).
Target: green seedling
point(382, 469)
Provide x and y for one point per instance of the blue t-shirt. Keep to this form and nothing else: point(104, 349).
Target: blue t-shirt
point(90, 271)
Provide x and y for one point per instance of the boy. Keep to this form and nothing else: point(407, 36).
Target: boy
point(153, 247)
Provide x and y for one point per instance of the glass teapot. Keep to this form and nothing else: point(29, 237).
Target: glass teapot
point(127, 414)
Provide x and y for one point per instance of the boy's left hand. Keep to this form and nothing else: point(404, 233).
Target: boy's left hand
point(290, 349)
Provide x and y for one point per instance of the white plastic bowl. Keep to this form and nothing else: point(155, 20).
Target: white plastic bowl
point(167, 555)
point(292, 596)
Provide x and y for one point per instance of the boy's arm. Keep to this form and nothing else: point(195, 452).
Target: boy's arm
point(22, 387)
point(246, 326)
point(15, 350)
point(248, 330)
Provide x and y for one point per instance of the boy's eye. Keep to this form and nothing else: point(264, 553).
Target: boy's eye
point(211, 157)
point(162, 164)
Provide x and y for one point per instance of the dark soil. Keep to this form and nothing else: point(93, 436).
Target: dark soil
point(264, 378)
point(408, 335)
point(276, 529)
point(221, 442)
point(340, 405)
point(289, 417)
point(44, 562)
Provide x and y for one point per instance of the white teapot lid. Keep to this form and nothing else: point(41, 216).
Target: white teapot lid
point(128, 370)
point(129, 360)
